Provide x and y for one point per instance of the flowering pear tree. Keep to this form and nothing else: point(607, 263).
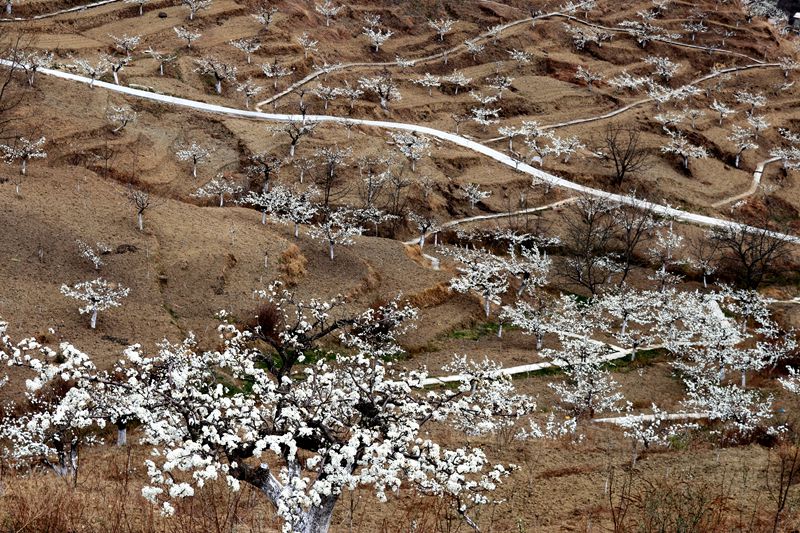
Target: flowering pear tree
point(126, 44)
point(194, 153)
point(532, 317)
point(88, 253)
point(744, 139)
point(429, 82)
point(723, 110)
point(336, 227)
point(275, 72)
point(384, 87)
point(442, 27)
point(296, 130)
point(414, 147)
point(161, 58)
point(306, 430)
point(264, 16)
point(186, 35)
point(753, 100)
point(195, 6)
point(120, 117)
point(116, 64)
point(328, 10)
point(681, 146)
point(307, 44)
point(474, 194)
point(377, 37)
point(24, 150)
point(98, 295)
point(93, 71)
point(298, 208)
point(218, 70)
point(664, 67)
point(458, 80)
point(32, 62)
point(220, 187)
point(247, 46)
point(588, 77)
point(59, 416)
point(588, 387)
point(482, 272)
point(249, 90)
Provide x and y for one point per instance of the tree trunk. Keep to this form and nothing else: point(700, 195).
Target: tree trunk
point(330, 249)
point(122, 435)
point(161, 69)
point(486, 306)
point(194, 169)
point(24, 167)
point(141, 9)
point(93, 323)
point(422, 240)
point(500, 331)
point(218, 86)
point(221, 200)
point(140, 221)
point(291, 154)
point(263, 217)
point(539, 338)
point(296, 230)
point(738, 156)
point(116, 76)
point(744, 378)
point(8, 8)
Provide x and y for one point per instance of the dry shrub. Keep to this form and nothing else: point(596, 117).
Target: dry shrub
point(292, 264)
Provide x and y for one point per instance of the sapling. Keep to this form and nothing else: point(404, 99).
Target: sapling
point(98, 294)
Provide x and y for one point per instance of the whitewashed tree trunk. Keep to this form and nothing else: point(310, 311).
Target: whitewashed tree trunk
point(330, 249)
point(140, 221)
point(194, 169)
point(486, 306)
point(24, 166)
point(93, 323)
point(422, 240)
point(296, 230)
point(218, 86)
point(221, 200)
point(539, 338)
point(291, 154)
point(122, 435)
point(161, 69)
point(116, 76)
point(263, 217)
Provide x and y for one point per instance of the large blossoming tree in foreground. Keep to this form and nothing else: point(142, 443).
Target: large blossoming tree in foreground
point(267, 410)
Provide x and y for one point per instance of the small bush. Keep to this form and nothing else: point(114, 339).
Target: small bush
point(292, 264)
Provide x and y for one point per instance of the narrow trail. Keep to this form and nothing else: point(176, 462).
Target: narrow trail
point(494, 216)
point(753, 186)
point(621, 420)
point(499, 157)
point(617, 352)
point(643, 101)
point(60, 12)
point(489, 34)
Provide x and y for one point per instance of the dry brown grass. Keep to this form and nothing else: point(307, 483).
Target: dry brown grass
point(292, 265)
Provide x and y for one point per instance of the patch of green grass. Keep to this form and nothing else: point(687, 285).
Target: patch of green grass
point(643, 358)
point(478, 331)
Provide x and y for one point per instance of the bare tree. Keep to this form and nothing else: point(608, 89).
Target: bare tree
point(750, 254)
point(621, 147)
point(141, 202)
point(587, 243)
